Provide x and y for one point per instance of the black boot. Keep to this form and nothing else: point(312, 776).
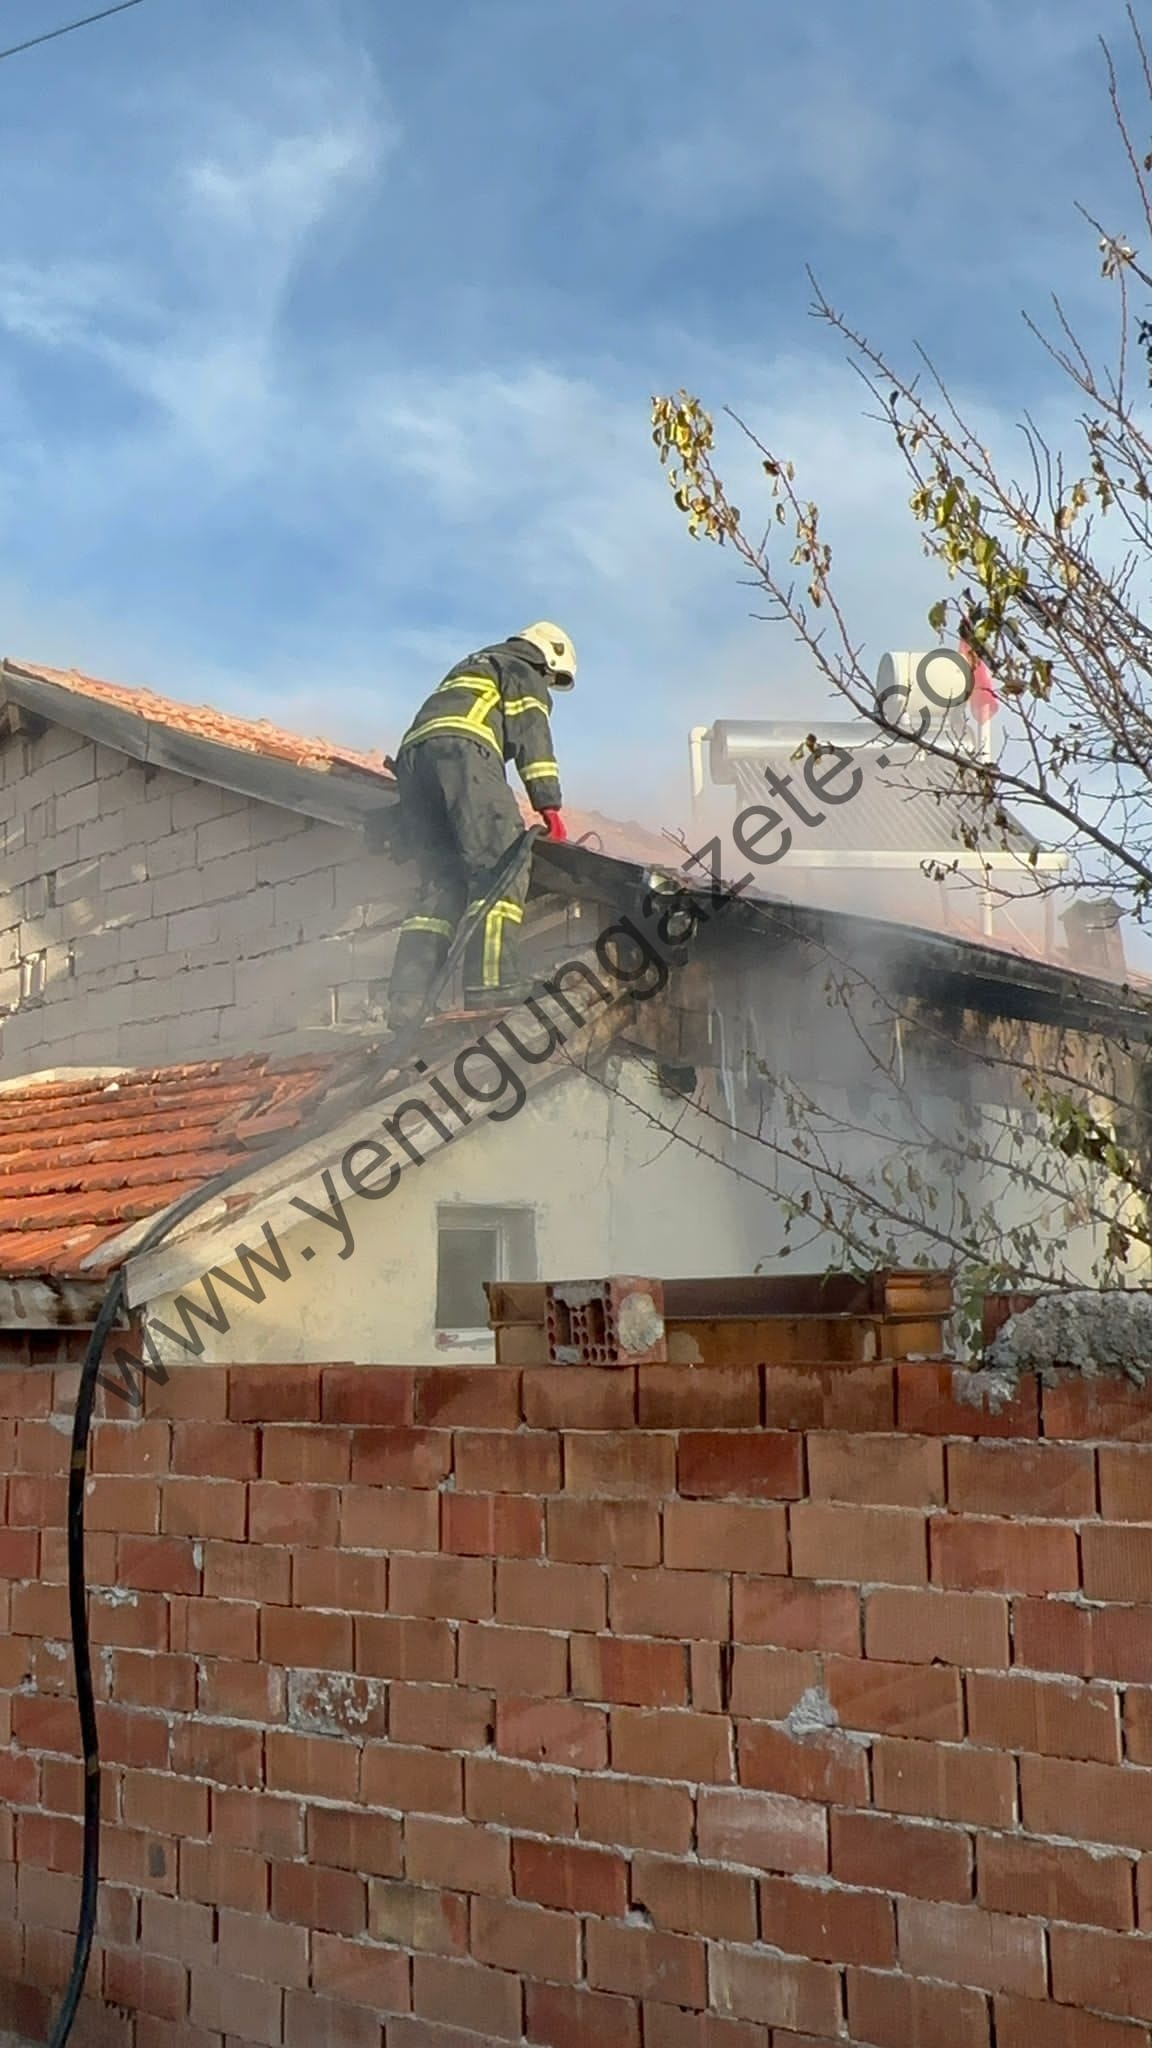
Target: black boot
point(404, 1011)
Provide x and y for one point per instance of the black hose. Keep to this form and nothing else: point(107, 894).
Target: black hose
point(78, 1596)
point(81, 1655)
point(397, 1050)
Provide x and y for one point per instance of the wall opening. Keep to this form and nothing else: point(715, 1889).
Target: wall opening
point(478, 1243)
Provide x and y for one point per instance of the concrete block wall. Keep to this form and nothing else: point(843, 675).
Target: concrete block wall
point(729, 1707)
point(147, 918)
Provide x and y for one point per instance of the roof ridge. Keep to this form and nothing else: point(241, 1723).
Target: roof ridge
point(258, 735)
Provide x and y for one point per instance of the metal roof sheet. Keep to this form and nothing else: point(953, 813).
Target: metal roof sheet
point(907, 803)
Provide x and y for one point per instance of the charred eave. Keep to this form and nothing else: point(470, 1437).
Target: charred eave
point(953, 973)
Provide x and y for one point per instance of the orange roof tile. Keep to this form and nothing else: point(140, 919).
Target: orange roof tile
point(82, 1158)
point(248, 735)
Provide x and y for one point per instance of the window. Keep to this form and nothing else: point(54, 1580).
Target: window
point(476, 1244)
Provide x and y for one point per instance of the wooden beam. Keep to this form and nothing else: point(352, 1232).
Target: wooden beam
point(893, 1296)
point(38, 1304)
point(773, 1340)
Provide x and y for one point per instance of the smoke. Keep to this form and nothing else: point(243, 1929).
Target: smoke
point(889, 853)
point(890, 1133)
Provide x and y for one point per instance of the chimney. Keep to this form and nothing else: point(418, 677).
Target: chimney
point(1093, 937)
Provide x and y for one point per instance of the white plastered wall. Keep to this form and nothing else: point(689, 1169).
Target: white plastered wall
point(620, 1177)
point(612, 1192)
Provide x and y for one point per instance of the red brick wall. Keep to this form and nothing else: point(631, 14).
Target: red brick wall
point(447, 1707)
point(44, 1347)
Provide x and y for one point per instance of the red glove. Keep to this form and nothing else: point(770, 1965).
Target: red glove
point(554, 820)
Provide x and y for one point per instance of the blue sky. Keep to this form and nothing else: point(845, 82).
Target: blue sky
point(328, 330)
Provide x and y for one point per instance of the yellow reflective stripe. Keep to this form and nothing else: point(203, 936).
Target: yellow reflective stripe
point(473, 722)
point(499, 915)
point(513, 912)
point(439, 925)
point(448, 724)
point(493, 948)
point(519, 704)
point(485, 691)
point(539, 771)
point(469, 682)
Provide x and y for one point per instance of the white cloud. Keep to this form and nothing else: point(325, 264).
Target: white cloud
point(57, 304)
point(196, 326)
point(265, 185)
point(250, 205)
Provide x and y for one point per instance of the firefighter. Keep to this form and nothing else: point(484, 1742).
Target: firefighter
point(463, 819)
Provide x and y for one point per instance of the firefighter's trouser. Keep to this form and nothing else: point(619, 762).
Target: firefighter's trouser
point(464, 820)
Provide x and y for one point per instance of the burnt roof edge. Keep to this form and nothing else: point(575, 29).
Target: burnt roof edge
point(958, 973)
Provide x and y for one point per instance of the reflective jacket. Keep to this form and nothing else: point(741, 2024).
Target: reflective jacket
point(499, 697)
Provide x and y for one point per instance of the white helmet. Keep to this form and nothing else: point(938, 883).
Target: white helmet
point(556, 647)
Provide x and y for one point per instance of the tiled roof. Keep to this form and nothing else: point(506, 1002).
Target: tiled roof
point(248, 735)
point(82, 1158)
